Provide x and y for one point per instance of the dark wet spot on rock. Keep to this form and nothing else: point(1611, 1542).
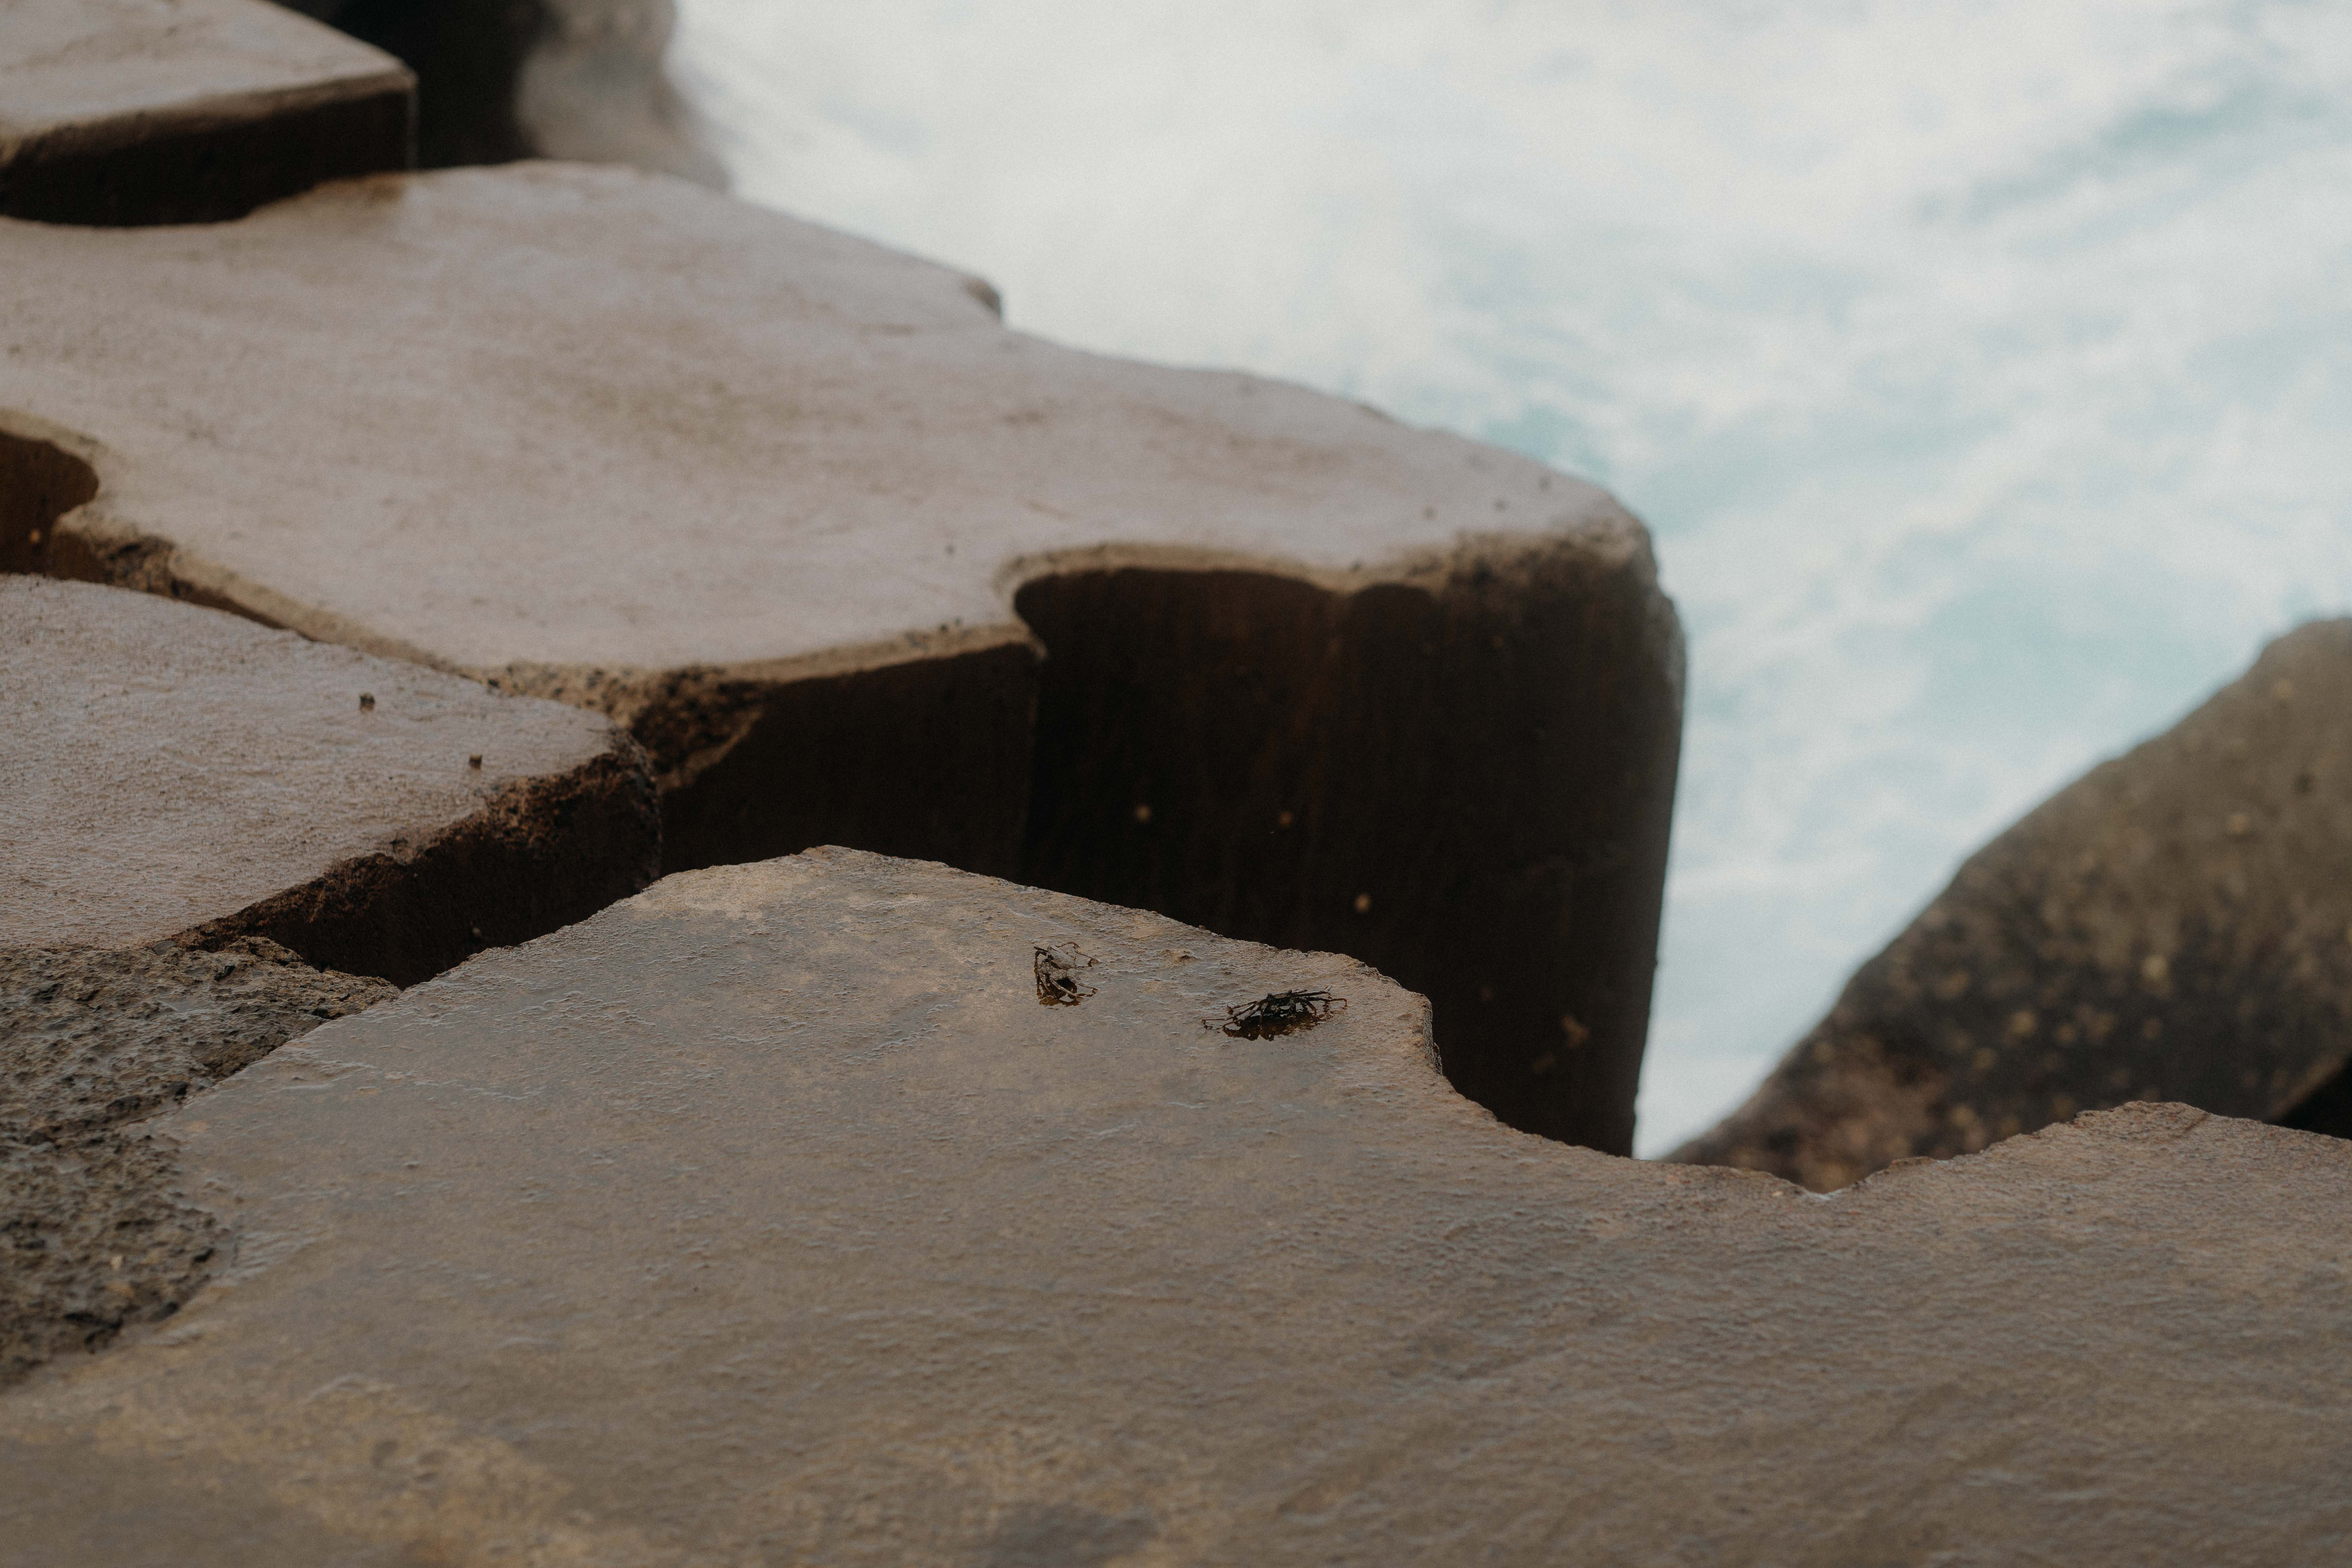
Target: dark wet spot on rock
point(1061, 1535)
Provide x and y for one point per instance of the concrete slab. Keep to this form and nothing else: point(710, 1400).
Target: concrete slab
point(173, 772)
point(158, 112)
point(768, 1216)
point(2177, 924)
point(801, 511)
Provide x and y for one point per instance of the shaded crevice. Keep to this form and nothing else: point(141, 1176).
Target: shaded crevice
point(543, 854)
point(927, 760)
point(208, 170)
point(39, 483)
point(924, 758)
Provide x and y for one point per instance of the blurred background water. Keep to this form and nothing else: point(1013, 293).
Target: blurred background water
point(1983, 367)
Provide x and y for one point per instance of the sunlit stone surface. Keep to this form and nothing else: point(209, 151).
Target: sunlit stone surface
point(769, 1216)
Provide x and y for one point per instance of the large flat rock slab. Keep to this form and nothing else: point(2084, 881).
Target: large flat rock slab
point(857, 564)
point(566, 417)
point(2177, 924)
point(173, 772)
point(151, 111)
point(768, 1216)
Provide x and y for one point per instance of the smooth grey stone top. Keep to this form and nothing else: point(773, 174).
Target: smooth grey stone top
point(549, 414)
point(768, 1216)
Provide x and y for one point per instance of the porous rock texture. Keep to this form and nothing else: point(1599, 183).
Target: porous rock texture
point(501, 80)
point(161, 111)
point(175, 773)
point(857, 564)
point(2177, 924)
point(768, 1216)
point(93, 1237)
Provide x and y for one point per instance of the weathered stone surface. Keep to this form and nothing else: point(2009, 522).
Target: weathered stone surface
point(91, 1238)
point(536, 78)
point(768, 1216)
point(158, 112)
point(173, 771)
point(2177, 924)
point(800, 512)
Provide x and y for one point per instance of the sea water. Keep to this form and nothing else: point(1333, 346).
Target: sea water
point(1984, 369)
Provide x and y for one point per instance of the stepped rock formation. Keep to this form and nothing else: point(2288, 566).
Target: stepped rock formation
point(501, 80)
point(845, 1208)
point(768, 1216)
point(146, 111)
point(2177, 924)
point(173, 773)
point(857, 564)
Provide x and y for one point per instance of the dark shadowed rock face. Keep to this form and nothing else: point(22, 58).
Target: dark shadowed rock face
point(93, 1236)
point(501, 80)
point(2176, 925)
point(1458, 783)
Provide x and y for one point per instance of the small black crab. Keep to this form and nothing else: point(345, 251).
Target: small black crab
point(1058, 985)
point(1277, 1013)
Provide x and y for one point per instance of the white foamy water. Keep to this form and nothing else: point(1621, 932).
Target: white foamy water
point(1983, 369)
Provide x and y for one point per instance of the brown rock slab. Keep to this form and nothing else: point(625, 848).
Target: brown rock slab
point(857, 564)
point(91, 1238)
point(769, 1216)
point(173, 772)
point(536, 78)
point(163, 111)
point(2177, 924)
